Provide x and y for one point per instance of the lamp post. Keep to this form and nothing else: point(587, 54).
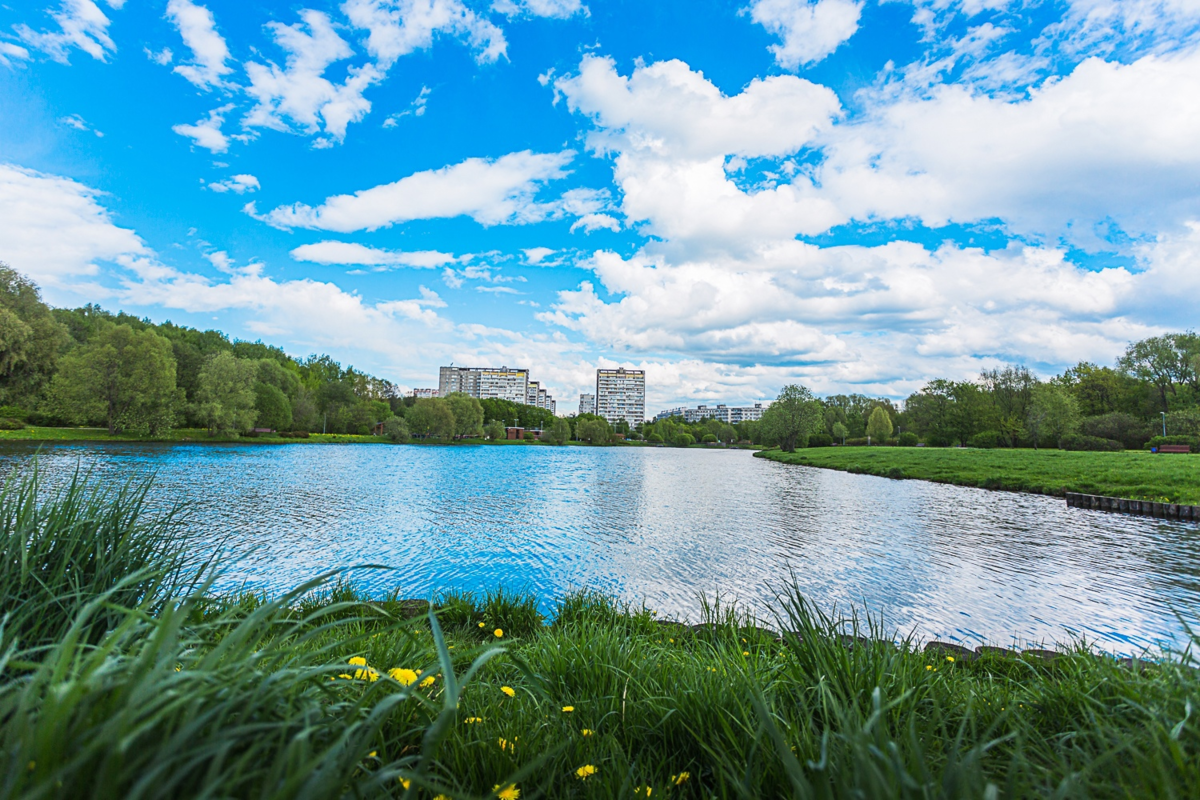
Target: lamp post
point(1164, 416)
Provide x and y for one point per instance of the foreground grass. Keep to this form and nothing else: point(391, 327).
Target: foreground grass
point(135, 685)
point(1134, 474)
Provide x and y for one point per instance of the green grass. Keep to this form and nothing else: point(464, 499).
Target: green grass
point(290, 697)
point(1133, 474)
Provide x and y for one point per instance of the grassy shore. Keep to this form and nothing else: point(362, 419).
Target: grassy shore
point(1132, 474)
point(121, 676)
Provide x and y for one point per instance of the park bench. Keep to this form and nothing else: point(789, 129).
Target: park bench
point(1174, 448)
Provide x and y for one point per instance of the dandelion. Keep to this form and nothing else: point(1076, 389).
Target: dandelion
point(372, 754)
point(405, 677)
point(498, 633)
point(508, 690)
point(745, 652)
point(586, 732)
point(425, 684)
point(482, 625)
point(681, 778)
point(505, 744)
point(950, 659)
point(345, 677)
point(641, 791)
point(672, 641)
point(510, 792)
point(568, 709)
point(928, 667)
point(405, 782)
point(585, 772)
point(472, 720)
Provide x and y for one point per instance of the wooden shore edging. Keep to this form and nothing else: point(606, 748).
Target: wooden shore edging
point(1145, 508)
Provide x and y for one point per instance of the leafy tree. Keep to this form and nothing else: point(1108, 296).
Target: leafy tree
point(1011, 392)
point(1127, 429)
point(430, 416)
point(709, 439)
point(654, 438)
point(839, 430)
point(793, 417)
point(1100, 390)
point(684, 440)
point(226, 397)
point(1053, 414)
point(468, 414)
point(1165, 362)
point(879, 425)
point(593, 430)
point(271, 406)
point(31, 339)
point(333, 400)
point(122, 376)
point(559, 432)
point(305, 416)
point(494, 430)
point(396, 429)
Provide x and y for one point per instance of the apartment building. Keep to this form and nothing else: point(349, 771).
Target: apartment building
point(621, 395)
point(587, 403)
point(425, 393)
point(485, 383)
point(729, 414)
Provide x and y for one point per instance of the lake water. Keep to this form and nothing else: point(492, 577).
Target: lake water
point(665, 525)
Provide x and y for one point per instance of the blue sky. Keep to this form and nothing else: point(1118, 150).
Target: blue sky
point(857, 196)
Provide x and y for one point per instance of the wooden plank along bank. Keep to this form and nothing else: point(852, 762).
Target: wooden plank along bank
point(1145, 508)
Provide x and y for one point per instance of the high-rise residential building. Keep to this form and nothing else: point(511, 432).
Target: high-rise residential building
point(621, 395)
point(531, 393)
point(485, 383)
point(425, 393)
point(731, 414)
point(587, 403)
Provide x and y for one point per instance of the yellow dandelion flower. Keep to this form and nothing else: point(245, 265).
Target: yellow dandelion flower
point(472, 720)
point(442, 797)
point(672, 641)
point(568, 709)
point(498, 633)
point(346, 677)
point(641, 791)
point(425, 684)
point(745, 652)
point(510, 792)
point(585, 772)
point(681, 778)
point(586, 732)
point(928, 666)
point(504, 744)
point(405, 782)
point(357, 661)
point(482, 625)
point(372, 754)
point(405, 677)
point(508, 690)
point(950, 658)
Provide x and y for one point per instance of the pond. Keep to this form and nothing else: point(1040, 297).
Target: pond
point(664, 526)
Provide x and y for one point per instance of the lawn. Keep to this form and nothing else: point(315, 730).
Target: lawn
point(1134, 474)
point(122, 677)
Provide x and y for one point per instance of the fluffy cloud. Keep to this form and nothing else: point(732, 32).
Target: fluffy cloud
point(489, 191)
point(10, 52)
point(207, 133)
point(199, 32)
point(559, 9)
point(299, 92)
point(81, 24)
point(810, 30)
point(354, 254)
point(396, 28)
point(53, 229)
point(239, 184)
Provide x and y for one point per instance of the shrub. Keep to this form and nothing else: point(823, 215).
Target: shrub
point(858, 442)
point(529, 436)
point(985, 440)
point(10, 424)
point(907, 439)
point(14, 412)
point(396, 430)
point(654, 438)
point(709, 439)
point(1191, 441)
point(1078, 441)
point(1124, 428)
point(938, 440)
point(820, 440)
point(685, 440)
point(294, 434)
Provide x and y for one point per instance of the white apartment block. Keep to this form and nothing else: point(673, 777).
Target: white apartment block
point(485, 383)
point(587, 403)
point(425, 393)
point(621, 395)
point(728, 414)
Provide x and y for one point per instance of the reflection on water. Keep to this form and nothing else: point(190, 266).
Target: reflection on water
point(662, 526)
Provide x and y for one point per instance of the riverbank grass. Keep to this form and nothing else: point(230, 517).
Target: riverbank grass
point(139, 683)
point(1134, 474)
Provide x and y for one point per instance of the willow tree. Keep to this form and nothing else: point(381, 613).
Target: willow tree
point(793, 417)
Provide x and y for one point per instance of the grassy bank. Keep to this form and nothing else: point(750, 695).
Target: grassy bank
point(1133, 474)
point(122, 677)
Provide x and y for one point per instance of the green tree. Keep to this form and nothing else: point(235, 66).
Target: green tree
point(226, 396)
point(1053, 414)
point(879, 425)
point(494, 430)
point(31, 339)
point(122, 376)
point(430, 416)
point(684, 440)
point(793, 417)
point(839, 430)
point(396, 429)
point(1165, 362)
point(272, 407)
point(559, 432)
point(593, 430)
point(468, 414)
point(334, 399)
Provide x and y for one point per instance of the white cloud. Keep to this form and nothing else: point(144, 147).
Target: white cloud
point(417, 109)
point(78, 123)
point(207, 133)
point(198, 29)
point(352, 253)
point(536, 255)
point(398, 27)
point(53, 229)
point(558, 9)
point(810, 30)
point(81, 24)
point(1108, 26)
point(299, 92)
point(239, 184)
point(491, 191)
point(162, 57)
point(10, 52)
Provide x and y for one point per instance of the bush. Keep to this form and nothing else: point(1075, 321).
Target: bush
point(294, 434)
point(10, 424)
point(1124, 428)
point(1078, 441)
point(907, 439)
point(857, 442)
point(985, 440)
point(938, 440)
point(820, 440)
point(396, 430)
point(709, 439)
point(529, 436)
point(1191, 441)
point(654, 438)
point(14, 412)
point(685, 440)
